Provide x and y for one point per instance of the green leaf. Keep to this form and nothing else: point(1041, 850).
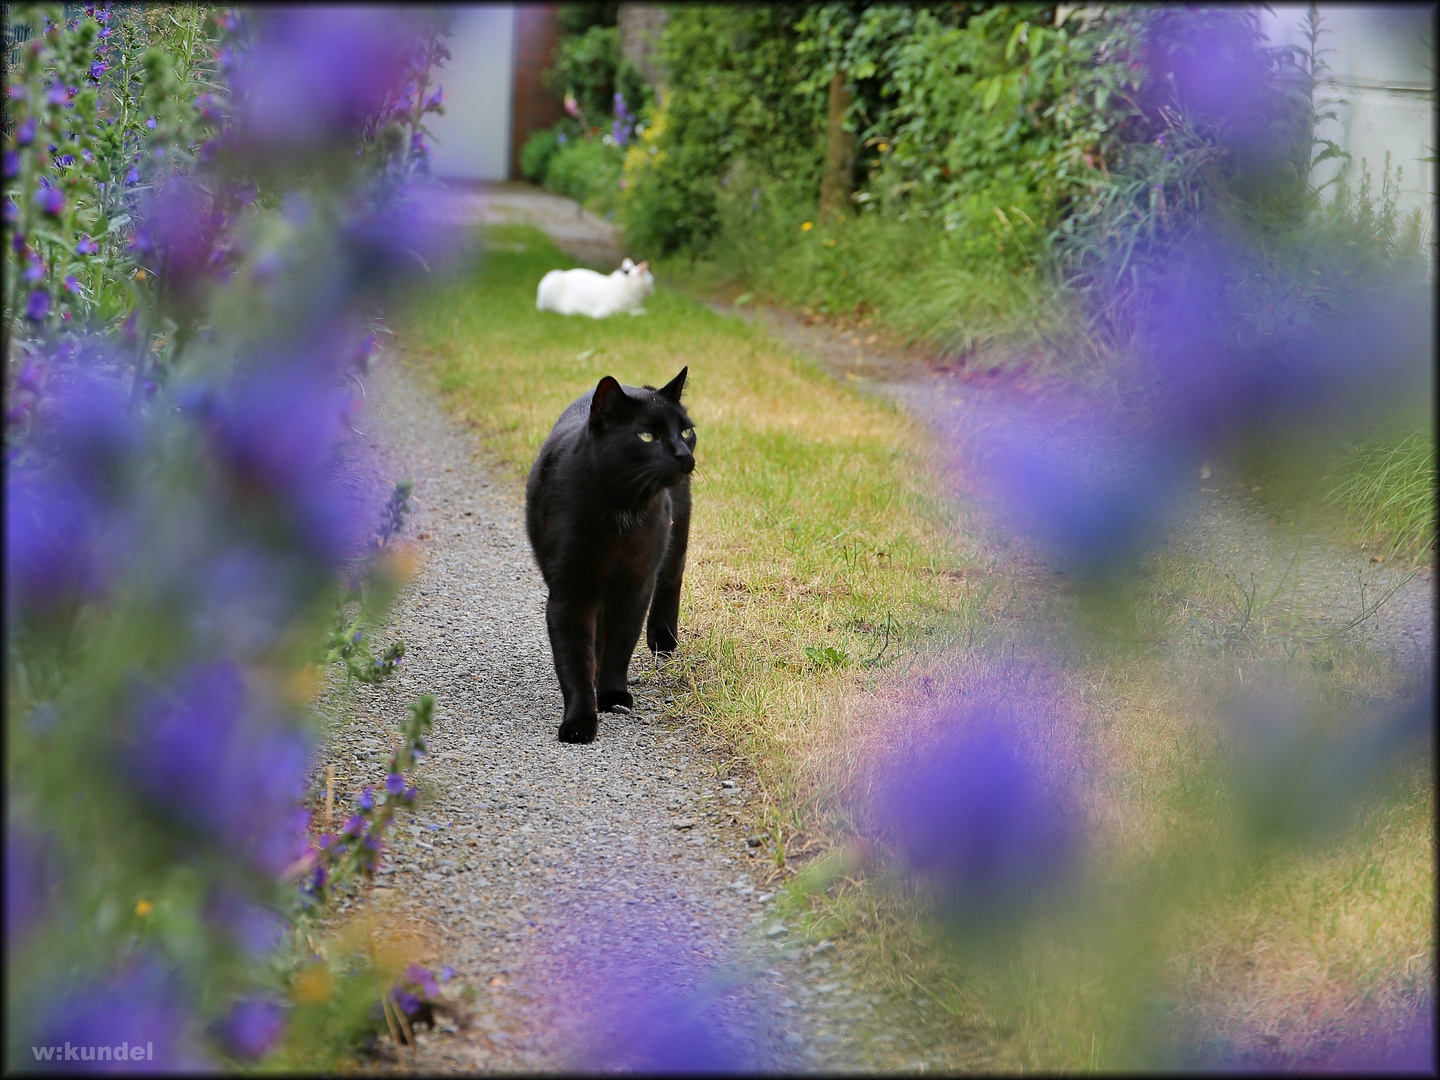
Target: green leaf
point(992, 94)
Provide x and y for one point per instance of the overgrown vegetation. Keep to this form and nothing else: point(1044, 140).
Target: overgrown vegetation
point(831, 600)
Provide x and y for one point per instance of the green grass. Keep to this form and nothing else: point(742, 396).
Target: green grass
point(1386, 486)
point(818, 526)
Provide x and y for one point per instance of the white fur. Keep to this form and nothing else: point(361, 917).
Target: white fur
point(584, 292)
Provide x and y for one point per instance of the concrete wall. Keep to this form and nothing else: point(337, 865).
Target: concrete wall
point(472, 139)
point(1383, 64)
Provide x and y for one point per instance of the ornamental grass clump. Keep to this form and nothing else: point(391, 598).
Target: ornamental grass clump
point(197, 271)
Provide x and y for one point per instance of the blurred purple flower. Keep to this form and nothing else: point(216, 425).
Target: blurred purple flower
point(71, 284)
point(133, 176)
point(34, 268)
point(50, 199)
point(398, 239)
point(86, 246)
point(53, 540)
point(280, 436)
point(12, 164)
point(1226, 346)
point(141, 1009)
point(366, 798)
point(30, 882)
point(316, 74)
point(253, 1027)
point(180, 223)
point(257, 930)
point(395, 783)
point(1064, 474)
point(203, 754)
point(435, 99)
point(37, 306)
point(631, 996)
point(25, 133)
point(151, 123)
point(98, 69)
point(970, 811)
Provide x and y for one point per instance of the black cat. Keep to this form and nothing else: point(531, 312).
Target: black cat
point(607, 508)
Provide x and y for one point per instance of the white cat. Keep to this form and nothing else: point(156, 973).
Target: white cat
point(584, 292)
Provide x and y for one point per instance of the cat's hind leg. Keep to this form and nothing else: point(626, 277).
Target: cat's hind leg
point(621, 616)
point(662, 632)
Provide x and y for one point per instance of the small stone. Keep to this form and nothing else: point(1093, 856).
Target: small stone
point(634, 680)
point(727, 783)
point(756, 841)
point(684, 823)
point(776, 930)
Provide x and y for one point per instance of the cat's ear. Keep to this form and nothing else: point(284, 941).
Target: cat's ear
point(626, 264)
point(609, 398)
point(644, 266)
point(672, 389)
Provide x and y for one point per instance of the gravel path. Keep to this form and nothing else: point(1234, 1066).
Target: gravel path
point(528, 862)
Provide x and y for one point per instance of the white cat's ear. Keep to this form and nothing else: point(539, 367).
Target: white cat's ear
point(644, 266)
point(626, 264)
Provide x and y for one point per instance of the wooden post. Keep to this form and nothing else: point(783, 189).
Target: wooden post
point(839, 152)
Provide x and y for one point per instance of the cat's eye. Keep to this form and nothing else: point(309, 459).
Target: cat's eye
point(645, 436)
point(688, 433)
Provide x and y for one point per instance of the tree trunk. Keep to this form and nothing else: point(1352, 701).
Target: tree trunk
point(835, 186)
point(640, 26)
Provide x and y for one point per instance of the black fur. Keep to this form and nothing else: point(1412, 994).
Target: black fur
point(608, 514)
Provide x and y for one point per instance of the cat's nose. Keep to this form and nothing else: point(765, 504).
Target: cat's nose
point(686, 459)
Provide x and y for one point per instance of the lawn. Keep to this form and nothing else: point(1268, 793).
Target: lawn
point(829, 575)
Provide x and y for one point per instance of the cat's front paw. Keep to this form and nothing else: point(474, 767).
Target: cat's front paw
point(608, 699)
point(581, 728)
point(660, 638)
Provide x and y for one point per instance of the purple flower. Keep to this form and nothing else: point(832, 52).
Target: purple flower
point(133, 176)
point(180, 223)
point(30, 883)
point(151, 123)
point(205, 754)
point(64, 161)
point(435, 99)
point(366, 800)
point(408, 1002)
point(38, 306)
point(50, 200)
point(316, 73)
point(71, 284)
point(279, 437)
point(253, 1027)
point(395, 783)
point(447, 973)
point(630, 1006)
point(969, 810)
point(141, 1010)
point(408, 795)
point(354, 827)
point(1065, 475)
point(257, 930)
point(53, 540)
point(34, 269)
point(25, 133)
point(86, 246)
point(12, 164)
point(98, 69)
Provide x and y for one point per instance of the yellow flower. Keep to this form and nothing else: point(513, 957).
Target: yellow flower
point(143, 908)
point(313, 984)
point(807, 226)
point(884, 146)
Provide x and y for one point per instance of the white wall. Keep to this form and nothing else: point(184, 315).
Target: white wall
point(1383, 64)
point(472, 139)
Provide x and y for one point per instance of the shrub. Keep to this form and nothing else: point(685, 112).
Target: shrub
point(535, 155)
point(588, 171)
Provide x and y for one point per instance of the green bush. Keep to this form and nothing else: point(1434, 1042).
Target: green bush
point(535, 155)
point(588, 65)
point(588, 171)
